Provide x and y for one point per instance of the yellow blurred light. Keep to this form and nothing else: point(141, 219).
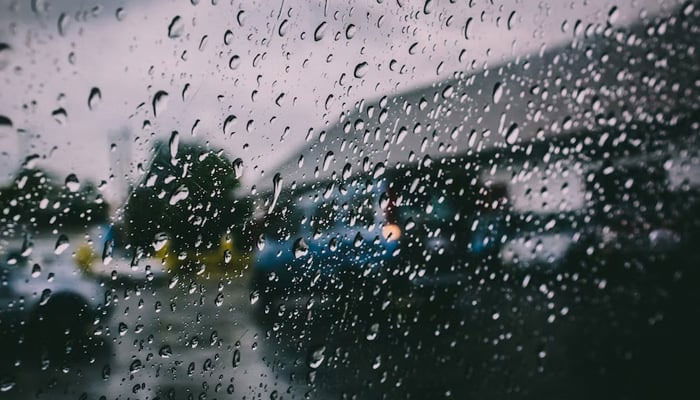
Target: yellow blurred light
point(391, 232)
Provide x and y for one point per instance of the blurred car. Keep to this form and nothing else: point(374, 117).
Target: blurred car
point(406, 230)
point(311, 242)
point(45, 304)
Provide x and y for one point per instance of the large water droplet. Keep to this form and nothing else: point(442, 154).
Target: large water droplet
point(94, 98)
point(60, 115)
point(361, 70)
point(107, 252)
point(320, 31)
point(72, 183)
point(300, 248)
point(160, 102)
point(512, 133)
point(62, 244)
point(277, 189)
point(237, 168)
point(228, 124)
point(316, 357)
point(180, 194)
point(176, 27)
point(173, 143)
point(497, 92)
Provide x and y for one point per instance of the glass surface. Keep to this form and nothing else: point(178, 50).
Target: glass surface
point(371, 199)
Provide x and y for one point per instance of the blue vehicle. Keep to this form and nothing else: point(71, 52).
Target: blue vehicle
point(314, 241)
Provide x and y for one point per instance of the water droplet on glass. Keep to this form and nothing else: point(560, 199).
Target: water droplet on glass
point(613, 15)
point(350, 31)
point(497, 92)
point(300, 248)
point(234, 62)
point(228, 124)
point(254, 296)
point(228, 37)
point(237, 168)
point(72, 183)
point(45, 296)
point(165, 351)
point(160, 102)
point(173, 143)
point(107, 252)
point(512, 134)
point(277, 189)
point(180, 194)
point(320, 31)
point(36, 271)
point(361, 70)
point(94, 98)
point(60, 115)
point(316, 357)
point(176, 27)
point(467, 25)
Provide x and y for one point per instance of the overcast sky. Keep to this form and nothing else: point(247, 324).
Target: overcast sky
point(58, 51)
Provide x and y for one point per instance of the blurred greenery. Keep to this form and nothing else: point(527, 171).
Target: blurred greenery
point(209, 211)
point(36, 200)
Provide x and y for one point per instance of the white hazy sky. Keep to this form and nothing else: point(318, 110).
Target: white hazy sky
point(53, 62)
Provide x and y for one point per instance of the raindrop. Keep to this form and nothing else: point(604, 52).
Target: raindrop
point(173, 143)
point(467, 26)
point(372, 332)
point(219, 300)
point(361, 70)
point(347, 171)
point(300, 248)
point(234, 62)
point(316, 357)
point(613, 15)
point(36, 271)
point(160, 102)
point(63, 22)
point(277, 188)
point(107, 252)
point(428, 7)
point(165, 351)
point(228, 123)
point(511, 20)
point(512, 133)
point(357, 242)
point(320, 31)
point(228, 37)
point(240, 17)
point(135, 366)
point(237, 168)
point(282, 30)
point(72, 183)
point(159, 240)
point(327, 160)
point(45, 296)
point(497, 92)
point(254, 296)
point(4, 121)
point(123, 329)
point(227, 256)
point(236, 358)
point(378, 170)
point(350, 31)
point(94, 98)
point(176, 27)
point(180, 193)
point(60, 115)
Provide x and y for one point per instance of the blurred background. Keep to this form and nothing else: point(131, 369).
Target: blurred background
point(375, 199)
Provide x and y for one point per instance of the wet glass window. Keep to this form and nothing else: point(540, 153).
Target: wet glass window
point(372, 199)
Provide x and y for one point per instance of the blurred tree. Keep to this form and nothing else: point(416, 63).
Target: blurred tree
point(189, 196)
point(38, 201)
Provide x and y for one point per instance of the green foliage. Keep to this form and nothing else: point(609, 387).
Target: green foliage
point(38, 201)
point(198, 221)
